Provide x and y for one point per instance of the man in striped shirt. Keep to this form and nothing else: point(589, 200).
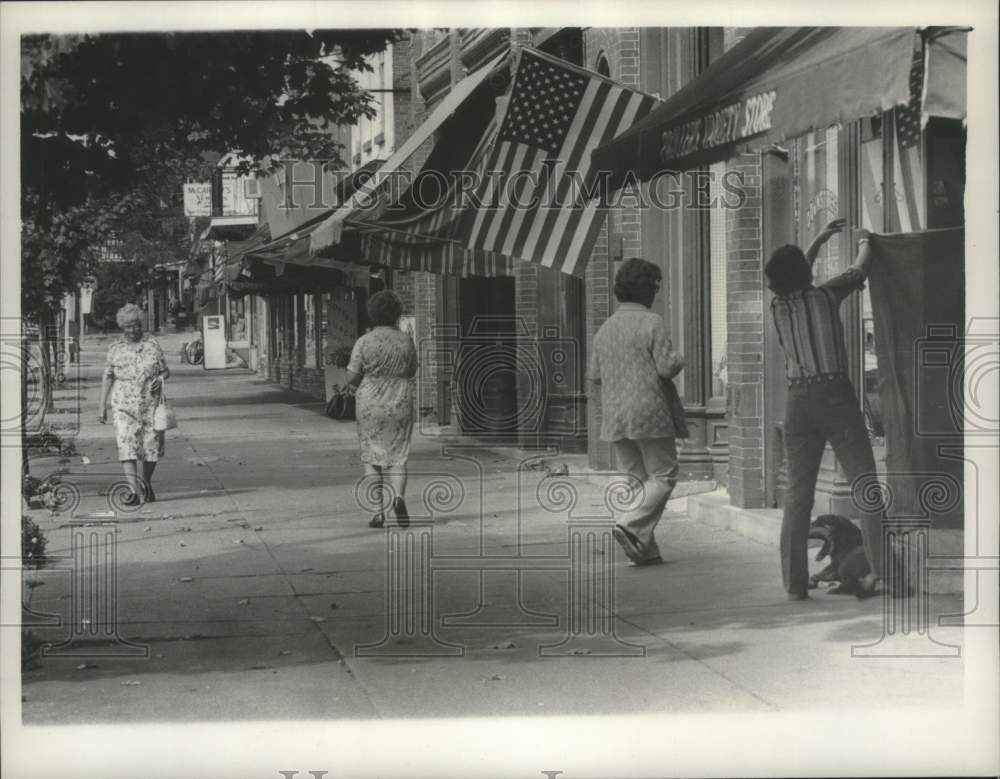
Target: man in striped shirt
point(822, 404)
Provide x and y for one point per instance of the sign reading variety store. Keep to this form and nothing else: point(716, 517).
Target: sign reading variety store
point(751, 116)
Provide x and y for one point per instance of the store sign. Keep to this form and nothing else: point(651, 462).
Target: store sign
point(86, 298)
point(198, 199)
point(744, 119)
point(228, 196)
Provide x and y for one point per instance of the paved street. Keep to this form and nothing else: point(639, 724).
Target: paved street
point(255, 584)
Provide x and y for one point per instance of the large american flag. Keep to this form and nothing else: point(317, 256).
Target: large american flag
point(556, 115)
point(907, 171)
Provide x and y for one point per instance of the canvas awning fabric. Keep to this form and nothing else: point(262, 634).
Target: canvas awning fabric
point(918, 304)
point(945, 69)
point(419, 230)
point(778, 83)
point(293, 227)
point(308, 193)
point(330, 231)
point(293, 251)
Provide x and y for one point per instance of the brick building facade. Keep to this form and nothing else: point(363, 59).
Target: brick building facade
point(711, 255)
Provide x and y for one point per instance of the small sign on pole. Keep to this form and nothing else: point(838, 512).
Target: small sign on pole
point(198, 199)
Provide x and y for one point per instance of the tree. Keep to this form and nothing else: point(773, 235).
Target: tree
point(112, 125)
point(118, 283)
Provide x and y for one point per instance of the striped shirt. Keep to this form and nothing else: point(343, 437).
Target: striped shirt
point(809, 327)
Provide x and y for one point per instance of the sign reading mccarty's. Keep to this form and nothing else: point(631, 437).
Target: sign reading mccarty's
point(744, 119)
point(198, 199)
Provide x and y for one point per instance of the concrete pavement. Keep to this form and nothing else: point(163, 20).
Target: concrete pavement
point(255, 584)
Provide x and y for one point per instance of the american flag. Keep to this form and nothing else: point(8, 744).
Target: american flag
point(528, 204)
point(907, 168)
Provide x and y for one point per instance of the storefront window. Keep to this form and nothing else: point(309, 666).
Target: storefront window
point(717, 281)
point(816, 162)
point(872, 218)
point(237, 320)
point(310, 323)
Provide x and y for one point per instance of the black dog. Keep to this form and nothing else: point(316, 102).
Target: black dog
point(848, 563)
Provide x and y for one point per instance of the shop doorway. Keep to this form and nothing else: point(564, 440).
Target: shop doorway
point(484, 384)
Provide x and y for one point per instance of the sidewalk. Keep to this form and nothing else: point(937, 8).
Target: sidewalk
point(254, 581)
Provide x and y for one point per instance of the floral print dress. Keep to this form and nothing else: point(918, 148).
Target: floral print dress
point(131, 367)
point(387, 360)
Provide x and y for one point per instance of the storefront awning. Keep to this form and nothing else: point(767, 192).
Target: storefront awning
point(231, 228)
point(309, 193)
point(782, 82)
point(290, 250)
point(293, 226)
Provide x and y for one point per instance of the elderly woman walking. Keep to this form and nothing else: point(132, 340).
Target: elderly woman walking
point(382, 366)
point(133, 378)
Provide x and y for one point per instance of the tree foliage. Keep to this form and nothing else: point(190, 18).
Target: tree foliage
point(113, 125)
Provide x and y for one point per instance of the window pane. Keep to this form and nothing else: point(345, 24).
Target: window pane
point(817, 162)
point(309, 358)
point(872, 218)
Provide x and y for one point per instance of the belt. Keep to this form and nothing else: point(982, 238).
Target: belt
point(802, 381)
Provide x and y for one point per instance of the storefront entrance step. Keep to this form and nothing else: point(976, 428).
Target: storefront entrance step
point(713, 508)
point(946, 545)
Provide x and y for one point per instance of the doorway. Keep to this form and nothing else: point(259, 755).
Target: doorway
point(484, 386)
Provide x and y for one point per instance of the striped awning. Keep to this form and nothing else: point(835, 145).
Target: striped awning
point(414, 235)
point(331, 229)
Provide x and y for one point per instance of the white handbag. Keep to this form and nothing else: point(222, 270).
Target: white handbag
point(164, 417)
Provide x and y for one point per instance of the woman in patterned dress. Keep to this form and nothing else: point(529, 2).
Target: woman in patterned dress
point(383, 364)
point(133, 378)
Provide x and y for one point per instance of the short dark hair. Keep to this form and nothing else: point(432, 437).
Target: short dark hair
point(788, 270)
point(637, 281)
point(384, 309)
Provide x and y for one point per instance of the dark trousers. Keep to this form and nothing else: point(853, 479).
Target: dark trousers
point(817, 413)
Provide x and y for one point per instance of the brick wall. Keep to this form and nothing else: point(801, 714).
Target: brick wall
point(620, 46)
point(745, 315)
point(598, 310)
point(425, 295)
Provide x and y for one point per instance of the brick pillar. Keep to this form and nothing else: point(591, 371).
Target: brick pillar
point(425, 292)
point(745, 351)
point(598, 303)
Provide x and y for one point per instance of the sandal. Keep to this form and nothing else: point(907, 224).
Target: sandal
point(377, 521)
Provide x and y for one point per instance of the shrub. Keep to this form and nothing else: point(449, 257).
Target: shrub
point(31, 651)
point(33, 544)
